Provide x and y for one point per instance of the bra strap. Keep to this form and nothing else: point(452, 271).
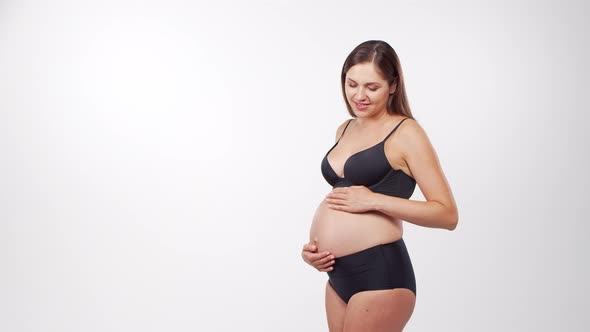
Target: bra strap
point(394, 129)
point(349, 121)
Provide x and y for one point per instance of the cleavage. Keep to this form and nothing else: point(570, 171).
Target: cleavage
point(349, 157)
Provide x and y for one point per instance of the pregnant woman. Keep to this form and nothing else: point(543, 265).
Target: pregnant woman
point(378, 158)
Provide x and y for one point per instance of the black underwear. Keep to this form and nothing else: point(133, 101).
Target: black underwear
point(385, 266)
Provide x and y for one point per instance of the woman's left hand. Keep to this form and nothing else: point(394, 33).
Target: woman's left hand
point(353, 199)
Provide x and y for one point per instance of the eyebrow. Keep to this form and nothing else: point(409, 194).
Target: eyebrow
point(366, 84)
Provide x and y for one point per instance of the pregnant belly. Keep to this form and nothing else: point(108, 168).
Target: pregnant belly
point(344, 233)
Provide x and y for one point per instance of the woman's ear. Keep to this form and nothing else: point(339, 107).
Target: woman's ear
point(392, 87)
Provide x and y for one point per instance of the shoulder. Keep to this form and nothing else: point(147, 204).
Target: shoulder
point(414, 141)
point(341, 128)
point(410, 128)
point(410, 135)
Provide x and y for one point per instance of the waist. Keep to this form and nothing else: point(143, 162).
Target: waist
point(364, 258)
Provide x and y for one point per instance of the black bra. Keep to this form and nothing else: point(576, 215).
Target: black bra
point(370, 168)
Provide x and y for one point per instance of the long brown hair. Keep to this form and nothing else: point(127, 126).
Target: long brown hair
point(387, 62)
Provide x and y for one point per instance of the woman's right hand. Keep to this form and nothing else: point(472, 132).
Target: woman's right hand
point(320, 261)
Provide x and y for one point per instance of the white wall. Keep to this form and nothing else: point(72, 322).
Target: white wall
point(160, 161)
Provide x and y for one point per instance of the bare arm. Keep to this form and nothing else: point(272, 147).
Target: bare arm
point(439, 210)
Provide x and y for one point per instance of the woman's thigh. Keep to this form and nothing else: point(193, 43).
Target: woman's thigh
point(335, 310)
point(379, 310)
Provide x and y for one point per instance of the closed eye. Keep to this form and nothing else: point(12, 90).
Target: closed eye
point(354, 86)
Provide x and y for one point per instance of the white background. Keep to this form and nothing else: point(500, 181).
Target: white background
point(160, 160)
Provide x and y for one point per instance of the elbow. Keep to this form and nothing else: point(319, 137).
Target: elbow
point(452, 220)
point(452, 226)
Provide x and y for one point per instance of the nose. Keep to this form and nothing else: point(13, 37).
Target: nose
point(360, 94)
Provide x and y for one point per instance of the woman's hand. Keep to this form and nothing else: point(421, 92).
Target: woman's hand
point(353, 199)
point(320, 261)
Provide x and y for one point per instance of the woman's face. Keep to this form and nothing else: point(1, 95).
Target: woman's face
point(366, 91)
